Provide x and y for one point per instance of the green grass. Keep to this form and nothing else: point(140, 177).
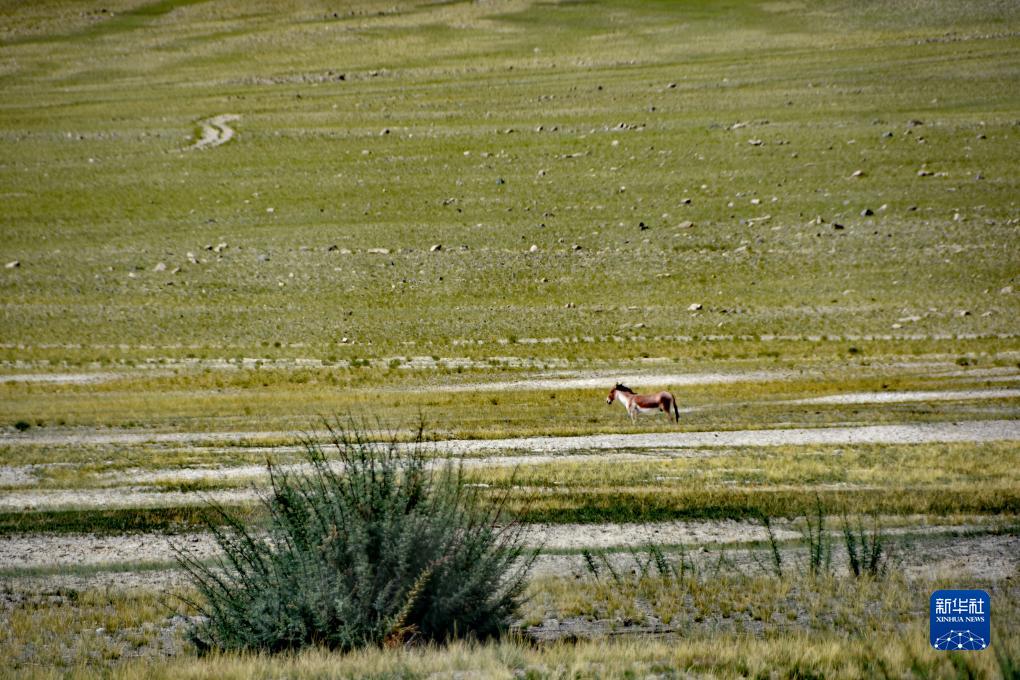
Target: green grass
point(829, 83)
point(725, 623)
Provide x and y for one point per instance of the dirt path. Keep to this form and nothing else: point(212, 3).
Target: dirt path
point(915, 433)
point(993, 557)
point(38, 550)
point(981, 430)
point(908, 396)
point(215, 132)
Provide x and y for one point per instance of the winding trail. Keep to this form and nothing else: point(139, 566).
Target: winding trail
point(215, 132)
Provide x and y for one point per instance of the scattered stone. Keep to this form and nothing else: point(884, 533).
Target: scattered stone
point(857, 173)
point(1005, 290)
point(500, 181)
point(270, 210)
point(346, 251)
point(160, 267)
point(191, 257)
point(887, 135)
point(378, 251)
point(533, 248)
point(332, 249)
point(220, 247)
point(979, 176)
point(384, 132)
point(914, 123)
point(867, 212)
point(755, 142)
point(175, 270)
point(685, 201)
point(837, 226)
point(263, 258)
point(694, 307)
point(924, 173)
point(13, 264)
point(686, 224)
point(963, 312)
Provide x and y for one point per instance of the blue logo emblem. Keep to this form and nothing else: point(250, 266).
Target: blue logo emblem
point(960, 620)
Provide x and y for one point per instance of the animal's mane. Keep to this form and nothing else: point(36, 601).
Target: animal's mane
point(623, 388)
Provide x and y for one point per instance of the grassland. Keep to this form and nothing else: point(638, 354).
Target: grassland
point(478, 213)
point(489, 129)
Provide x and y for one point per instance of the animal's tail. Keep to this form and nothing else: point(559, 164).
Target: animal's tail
point(676, 411)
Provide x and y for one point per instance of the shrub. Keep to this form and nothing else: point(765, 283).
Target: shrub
point(866, 554)
point(383, 546)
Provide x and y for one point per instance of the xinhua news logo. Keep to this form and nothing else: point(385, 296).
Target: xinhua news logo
point(960, 620)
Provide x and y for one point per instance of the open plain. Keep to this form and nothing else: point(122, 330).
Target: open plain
point(226, 224)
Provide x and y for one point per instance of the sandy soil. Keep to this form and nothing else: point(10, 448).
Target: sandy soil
point(974, 431)
point(890, 434)
point(606, 379)
point(898, 397)
point(48, 550)
point(992, 557)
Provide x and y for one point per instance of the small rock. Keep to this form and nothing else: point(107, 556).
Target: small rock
point(346, 251)
point(191, 257)
point(755, 142)
point(887, 135)
point(533, 248)
point(576, 247)
point(685, 201)
point(642, 226)
point(837, 226)
point(270, 210)
point(384, 132)
point(867, 212)
point(332, 249)
point(13, 264)
point(160, 267)
point(378, 251)
point(693, 307)
point(1005, 290)
point(263, 258)
point(500, 181)
point(686, 224)
point(857, 173)
point(175, 270)
point(963, 312)
point(914, 123)
point(220, 247)
point(436, 248)
point(924, 173)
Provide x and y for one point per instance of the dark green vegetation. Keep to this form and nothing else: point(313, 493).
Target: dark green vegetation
point(595, 134)
point(387, 550)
